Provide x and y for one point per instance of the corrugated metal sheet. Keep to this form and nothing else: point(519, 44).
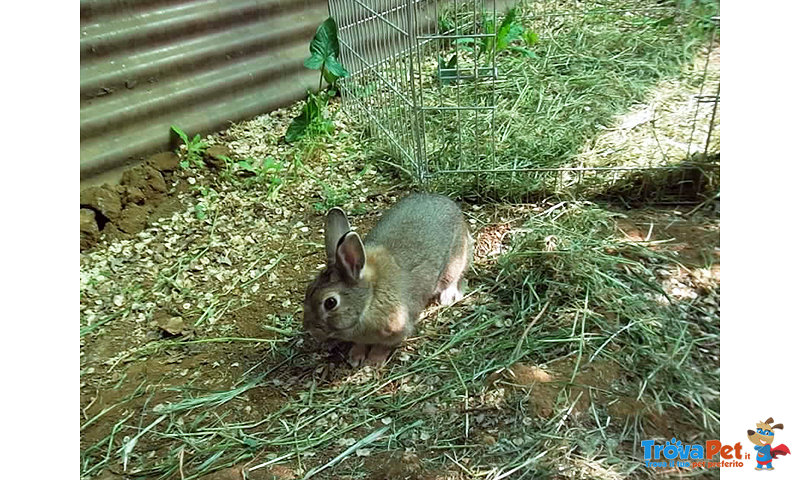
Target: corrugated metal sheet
point(149, 64)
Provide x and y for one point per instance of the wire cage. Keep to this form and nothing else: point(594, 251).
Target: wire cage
point(425, 80)
point(427, 98)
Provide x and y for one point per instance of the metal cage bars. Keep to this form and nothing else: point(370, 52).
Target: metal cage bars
point(387, 46)
point(424, 113)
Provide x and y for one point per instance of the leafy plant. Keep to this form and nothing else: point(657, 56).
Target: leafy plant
point(331, 197)
point(446, 24)
point(312, 118)
point(509, 31)
point(209, 195)
point(194, 149)
point(324, 57)
point(264, 173)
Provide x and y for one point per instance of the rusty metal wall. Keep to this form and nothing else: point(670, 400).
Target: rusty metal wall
point(197, 64)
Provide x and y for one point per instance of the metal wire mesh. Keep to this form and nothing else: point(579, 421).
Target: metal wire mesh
point(409, 83)
point(424, 78)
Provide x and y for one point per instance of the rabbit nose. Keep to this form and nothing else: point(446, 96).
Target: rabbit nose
point(750, 432)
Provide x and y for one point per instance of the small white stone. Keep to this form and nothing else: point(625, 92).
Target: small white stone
point(347, 442)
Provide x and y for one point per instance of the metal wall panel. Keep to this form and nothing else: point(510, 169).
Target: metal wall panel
point(198, 64)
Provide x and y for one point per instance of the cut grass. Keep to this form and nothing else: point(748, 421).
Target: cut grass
point(588, 70)
point(567, 352)
point(570, 297)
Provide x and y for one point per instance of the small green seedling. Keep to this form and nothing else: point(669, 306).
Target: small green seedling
point(194, 149)
point(266, 173)
point(331, 197)
point(209, 195)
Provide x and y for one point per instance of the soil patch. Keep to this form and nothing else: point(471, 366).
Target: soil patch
point(694, 239)
point(121, 211)
point(395, 466)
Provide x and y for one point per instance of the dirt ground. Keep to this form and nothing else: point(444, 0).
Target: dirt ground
point(192, 283)
point(133, 364)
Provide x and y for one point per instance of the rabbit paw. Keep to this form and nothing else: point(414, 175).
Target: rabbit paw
point(450, 295)
point(358, 353)
point(378, 355)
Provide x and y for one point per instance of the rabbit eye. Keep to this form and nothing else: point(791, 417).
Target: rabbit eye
point(330, 303)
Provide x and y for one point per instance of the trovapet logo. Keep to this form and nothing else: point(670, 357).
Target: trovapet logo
point(674, 453)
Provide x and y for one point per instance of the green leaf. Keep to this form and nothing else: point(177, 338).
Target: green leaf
point(336, 68)
point(180, 134)
point(329, 77)
point(515, 33)
point(325, 44)
point(271, 164)
point(297, 129)
point(531, 37)
point(445, 24)
point(314, 62)
point(247, 166)
point(664, 22)
point(324, 50)
point(503, 33)
point(200, 211)
point(453, 61)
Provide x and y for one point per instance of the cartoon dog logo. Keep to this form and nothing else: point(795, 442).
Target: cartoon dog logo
point(763, 437)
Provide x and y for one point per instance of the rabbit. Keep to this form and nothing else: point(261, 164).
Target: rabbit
point(372, 293)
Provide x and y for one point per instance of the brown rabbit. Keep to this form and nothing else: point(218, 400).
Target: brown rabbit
point(371, 294)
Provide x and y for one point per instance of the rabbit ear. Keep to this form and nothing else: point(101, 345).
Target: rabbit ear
point(350, 255)
point(336, 225)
